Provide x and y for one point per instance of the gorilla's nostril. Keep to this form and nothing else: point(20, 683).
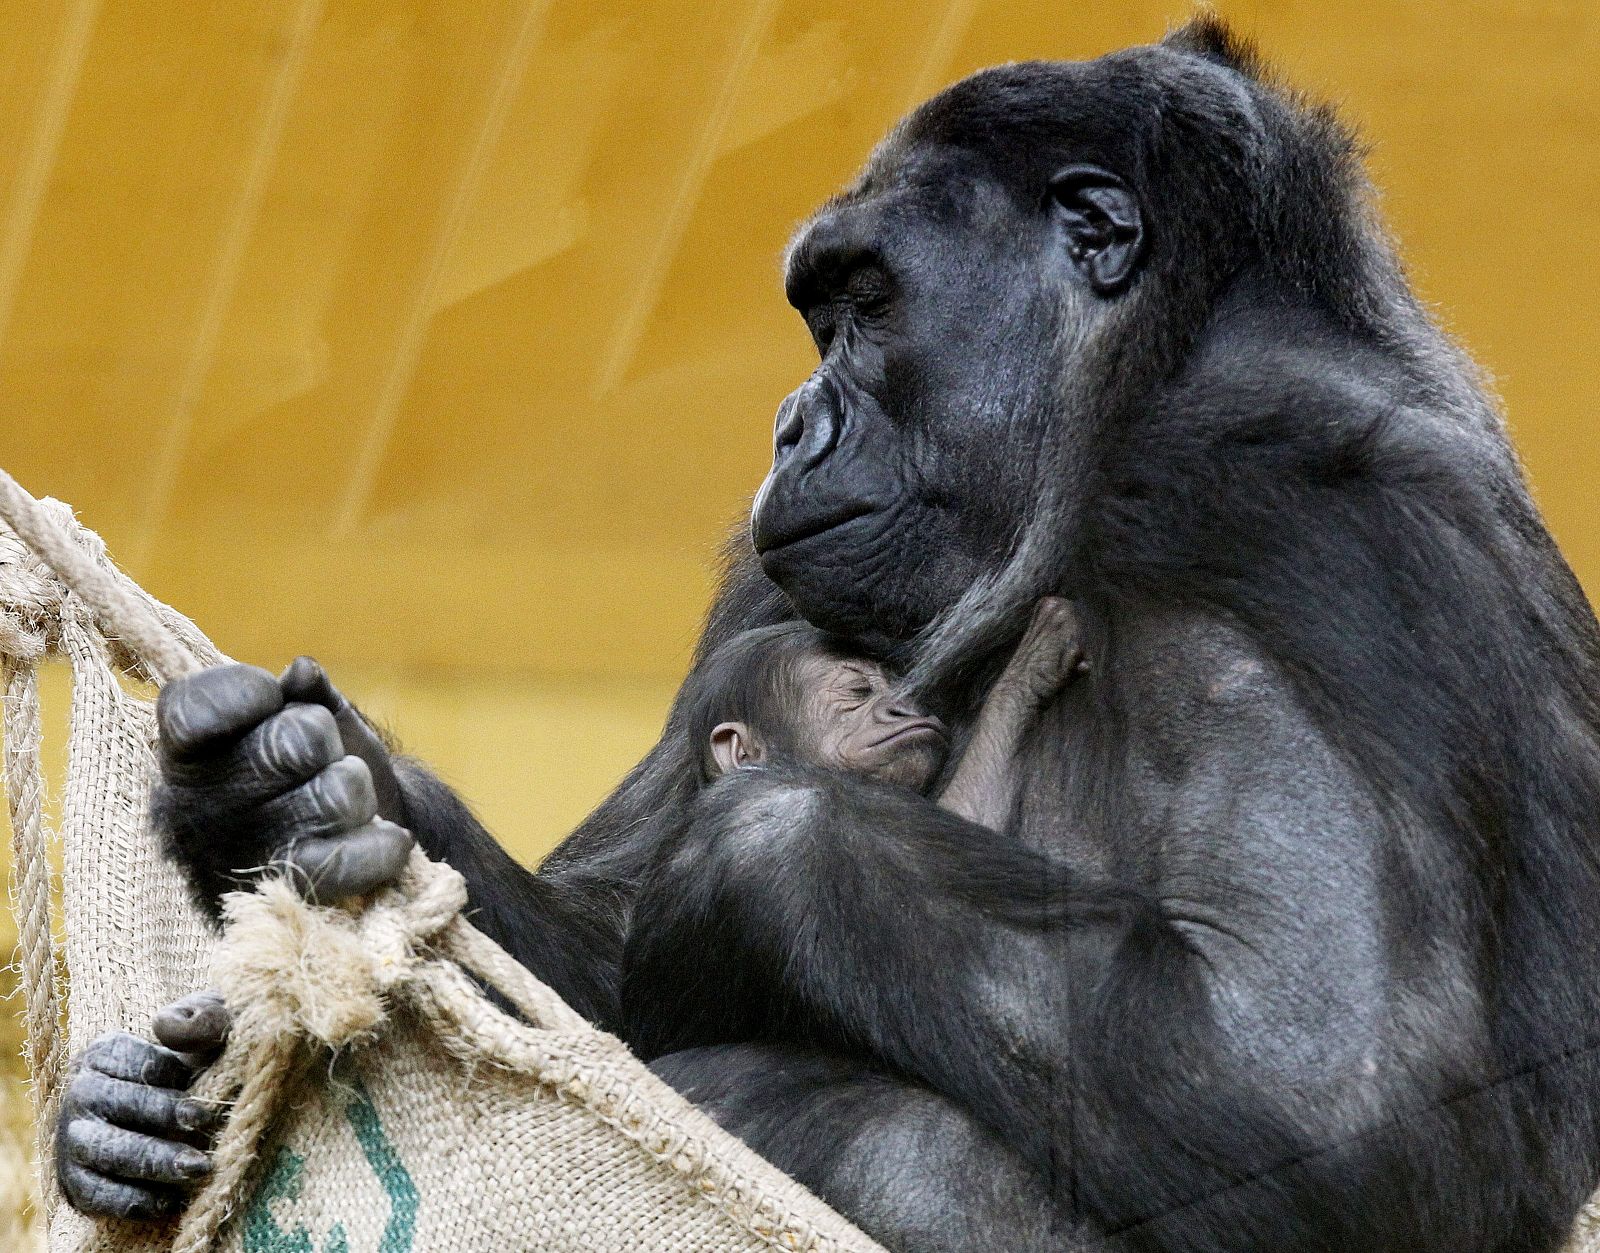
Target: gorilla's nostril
point(905, 711)
point(807, 427)
point(790, 427)
point(820, 435)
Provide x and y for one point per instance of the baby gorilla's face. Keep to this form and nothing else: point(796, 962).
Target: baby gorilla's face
point(850, 720)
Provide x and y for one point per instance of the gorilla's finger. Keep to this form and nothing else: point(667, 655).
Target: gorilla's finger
point(163, 1112)
point(306, 680)
point(295, 744)
point(278, 754)
point(123, 1055)
point(93, 1193)
point(196, 1024)
point(336, 799)
point(124, 1154)
point(198, 713)
point(332, 868)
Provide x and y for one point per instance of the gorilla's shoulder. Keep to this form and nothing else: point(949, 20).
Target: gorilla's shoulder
point(773, 792)
point(791, 791)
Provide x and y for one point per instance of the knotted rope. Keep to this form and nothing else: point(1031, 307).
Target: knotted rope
point(30, 611)
point(302, 975)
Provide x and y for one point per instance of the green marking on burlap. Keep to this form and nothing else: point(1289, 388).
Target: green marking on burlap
point(385, 1162)
point(261, 1233)
point(283, 1182)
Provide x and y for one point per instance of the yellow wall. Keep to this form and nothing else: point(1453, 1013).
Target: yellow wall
point(442, 339)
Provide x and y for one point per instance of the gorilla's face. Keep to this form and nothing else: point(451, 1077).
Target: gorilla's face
point(904, 467)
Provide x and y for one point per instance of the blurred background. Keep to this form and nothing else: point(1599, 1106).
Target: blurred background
point(441, 338)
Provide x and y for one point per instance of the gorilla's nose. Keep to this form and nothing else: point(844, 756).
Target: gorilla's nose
point(805, 494)
point(905, 711)
point(807, 428)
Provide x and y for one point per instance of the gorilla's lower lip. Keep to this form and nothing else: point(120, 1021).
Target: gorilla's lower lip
point(768, 543)
point(932, 725)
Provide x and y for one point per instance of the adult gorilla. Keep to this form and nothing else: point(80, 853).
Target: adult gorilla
point(1318, 947)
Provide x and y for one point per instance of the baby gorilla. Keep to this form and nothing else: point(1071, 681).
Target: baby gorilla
point(793, 693)
point(788, 728)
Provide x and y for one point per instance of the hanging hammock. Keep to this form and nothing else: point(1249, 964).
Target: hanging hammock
point(379, 1100)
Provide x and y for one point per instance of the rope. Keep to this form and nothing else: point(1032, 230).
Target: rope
point(297, 974)
point(45, 1047)
point(121, 610)
point(33, 611)
point(164, 646)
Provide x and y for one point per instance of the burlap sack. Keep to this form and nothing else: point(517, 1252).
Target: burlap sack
point(380, 1103)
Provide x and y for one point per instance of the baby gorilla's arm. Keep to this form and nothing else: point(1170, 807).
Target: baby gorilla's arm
point(984, 785)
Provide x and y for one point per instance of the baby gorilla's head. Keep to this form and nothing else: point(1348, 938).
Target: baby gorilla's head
point(792, 691)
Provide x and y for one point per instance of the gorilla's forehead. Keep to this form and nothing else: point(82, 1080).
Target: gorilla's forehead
point(941, 192)
point(924, 184)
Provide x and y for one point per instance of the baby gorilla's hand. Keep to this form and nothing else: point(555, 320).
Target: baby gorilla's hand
point(130, 1142)
point(1047, 658)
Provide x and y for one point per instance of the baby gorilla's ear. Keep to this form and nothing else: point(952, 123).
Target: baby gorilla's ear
point(733, 744)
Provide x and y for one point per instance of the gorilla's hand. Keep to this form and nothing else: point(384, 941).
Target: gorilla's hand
point(1047, 658)
point(257, 771)
point(129, 1142)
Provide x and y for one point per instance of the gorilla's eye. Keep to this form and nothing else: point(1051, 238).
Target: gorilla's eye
point(868, 289)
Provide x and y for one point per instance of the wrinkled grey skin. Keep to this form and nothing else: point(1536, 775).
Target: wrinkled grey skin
point(130, 1141)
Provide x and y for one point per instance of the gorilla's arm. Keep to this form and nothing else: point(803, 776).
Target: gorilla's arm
point(259, 772)
point(1231, 1013)
point(808, 904)
point(983, 785)
point(567, 931)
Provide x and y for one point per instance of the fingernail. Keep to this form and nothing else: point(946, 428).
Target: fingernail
point(192, 1162)
point(192, 1115)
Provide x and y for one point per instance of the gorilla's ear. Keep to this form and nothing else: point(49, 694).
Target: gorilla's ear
point(1103, 225)
point(734, 745)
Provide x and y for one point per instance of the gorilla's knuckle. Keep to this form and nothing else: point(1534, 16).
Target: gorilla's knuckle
point(307, 680)
point(298, 741)
point(89, 1090)
point(217, 703)
point(80, 1083)
point(346, 791)
point(337, 799)
point(107, 1049)
point(80, 1136)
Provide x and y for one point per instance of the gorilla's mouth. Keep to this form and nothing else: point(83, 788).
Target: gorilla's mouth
point(770, 535)
point(913, 726)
